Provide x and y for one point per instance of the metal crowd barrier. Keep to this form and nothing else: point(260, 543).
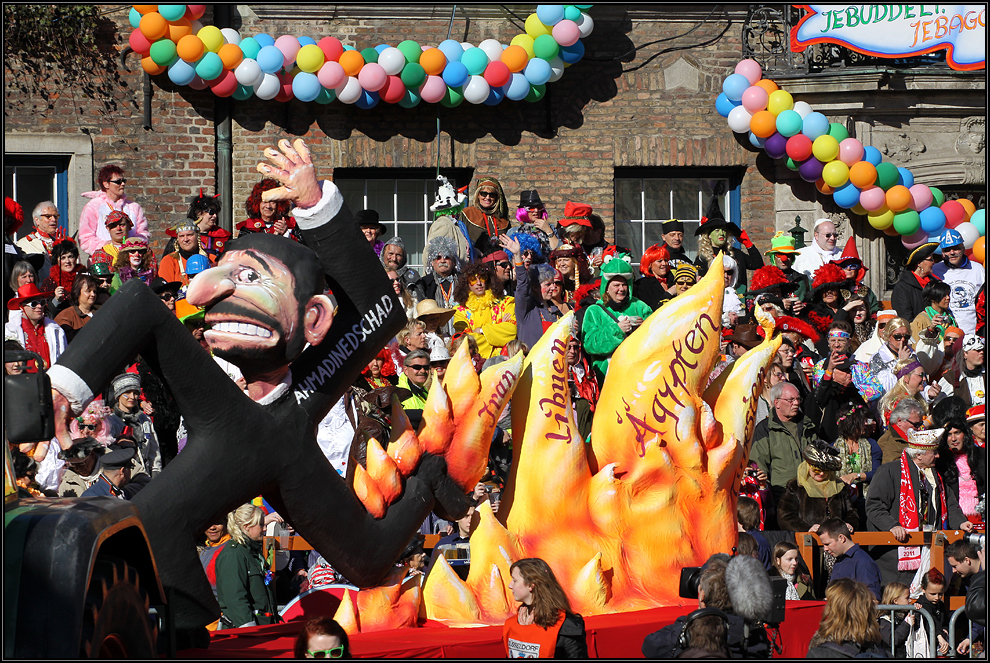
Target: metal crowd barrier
point(932, 641)
point(952, 633)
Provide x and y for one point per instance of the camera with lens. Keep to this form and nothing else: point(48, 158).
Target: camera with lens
point(688, 586)
point(976, 539)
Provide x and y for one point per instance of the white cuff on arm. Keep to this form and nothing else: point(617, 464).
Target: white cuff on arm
point(328, 207)
point(71, 386)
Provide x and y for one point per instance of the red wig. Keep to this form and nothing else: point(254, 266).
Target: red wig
point(253, 204)
point(651, 255)
point(13, 213)
point(388, 367)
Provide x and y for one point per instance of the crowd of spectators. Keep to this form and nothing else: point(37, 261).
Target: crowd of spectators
point(872, 414)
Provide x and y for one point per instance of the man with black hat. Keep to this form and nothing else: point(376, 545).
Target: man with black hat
point(167, 291)
point(82, 466)
point(906, 298)
point(117, 463)
point(673, 239)
point(373, 229)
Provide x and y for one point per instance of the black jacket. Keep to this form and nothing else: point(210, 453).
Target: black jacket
point(651, 291)
point(663, 643)
point(906, 296)
point(798, 511)
point(847, 650)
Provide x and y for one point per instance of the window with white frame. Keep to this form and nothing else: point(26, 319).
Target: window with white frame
point(645, 198)
point(402, 198)
point(32, 179)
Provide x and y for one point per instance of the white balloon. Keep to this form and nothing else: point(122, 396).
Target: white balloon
point(350, 91)
point(739, 119)
point(476, 90)
point(392, 60)
point(492, 48)
point(466, 45)
point(556, 69)
point(969, 232)
point(248, 72)
point(267, 87)
point(585, 25)
point(231, 35)
point(196, 27)
point(802, 108)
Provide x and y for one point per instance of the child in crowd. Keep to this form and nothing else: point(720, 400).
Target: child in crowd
point(933, 600)
point(896, 626)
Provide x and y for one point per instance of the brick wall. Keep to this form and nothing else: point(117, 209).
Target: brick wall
point(608, 110)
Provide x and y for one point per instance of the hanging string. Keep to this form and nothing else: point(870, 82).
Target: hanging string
point(450, 26)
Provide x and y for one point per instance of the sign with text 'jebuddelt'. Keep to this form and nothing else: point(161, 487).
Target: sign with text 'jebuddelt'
point(898, 31)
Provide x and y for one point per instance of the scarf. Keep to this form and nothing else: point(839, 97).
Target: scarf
point(586, 384)
point(818, 489)
point(968, 497)
point(475, 303)
point(64, 279)
point(35, 339)
point(791, 594)
point(931, 313)
point(909, 557)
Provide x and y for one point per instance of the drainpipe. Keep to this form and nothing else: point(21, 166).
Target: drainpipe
point(224, 137)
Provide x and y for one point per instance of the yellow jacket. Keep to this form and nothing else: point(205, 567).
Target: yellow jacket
point(492, 322)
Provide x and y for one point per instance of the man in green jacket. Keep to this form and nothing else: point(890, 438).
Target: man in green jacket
point(779, 439)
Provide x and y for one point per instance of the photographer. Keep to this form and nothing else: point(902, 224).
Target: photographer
point(739, 587)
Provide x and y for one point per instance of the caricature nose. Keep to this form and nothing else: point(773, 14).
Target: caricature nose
point(210, 286)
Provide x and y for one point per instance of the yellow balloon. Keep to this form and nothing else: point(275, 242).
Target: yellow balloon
point(535, 27)
point(310, 58)
point(780, 100)
point(881, 219)
point(858, 209)
point(826, 148)
point(212, 37)
point(835, 173)
point(526, 42)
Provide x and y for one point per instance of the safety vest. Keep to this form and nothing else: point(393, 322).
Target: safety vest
point(530, 641)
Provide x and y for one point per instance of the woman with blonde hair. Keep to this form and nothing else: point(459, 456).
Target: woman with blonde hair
point(911, 383)
point(544, 626)
point(244, 582)
point(849, 623)
point(896, 625)
point(895, 345)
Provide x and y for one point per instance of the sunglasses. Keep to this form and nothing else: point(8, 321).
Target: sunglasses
point(486, 194)
point(439, 364)
point(916, 424)
point(140, 252)
point(119, 180)
point(34, 303)
point(684, 282)
point(852, 265)
point(336, 652)
point(105, 280)
point(114, 224)
point(166, 296)
point(900, 337)
point(87, 426)
point(419, 367)
point(503, 265)
point(830, 235)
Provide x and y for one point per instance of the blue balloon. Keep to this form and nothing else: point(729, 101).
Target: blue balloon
point(134, 17)
point(905, 177)
point(932, 220)
point(264, 40)
point(270, 59)
point(517, 88)
point(452, 49)
point(815, 125)
point(410, 99)
point(756, 141)
point(846, 196)
point(380, 48)
point(734, 85)
point(724, 105)
point(367, 100)
point(872, 155)
point(495, 95)
point(306, 41)
point(455, 74)
point(537, 71)
point(573, 53)
point(181, 72)
point(306, 86)
point(550, 14)
point(250, 47)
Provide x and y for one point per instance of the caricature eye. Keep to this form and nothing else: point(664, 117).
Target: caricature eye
point(247, 275)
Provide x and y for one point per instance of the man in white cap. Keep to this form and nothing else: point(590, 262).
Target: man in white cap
point(908, 495)
point(820, 251)
point(963, 276)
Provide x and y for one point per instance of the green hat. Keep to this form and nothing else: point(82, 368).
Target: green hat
point(781, 242)
point(100, 269)
point(616, 266)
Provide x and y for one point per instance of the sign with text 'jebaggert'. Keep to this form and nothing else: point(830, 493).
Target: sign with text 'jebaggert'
point(898, 31)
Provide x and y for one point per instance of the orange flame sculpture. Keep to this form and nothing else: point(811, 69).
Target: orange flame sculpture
point(616, 518)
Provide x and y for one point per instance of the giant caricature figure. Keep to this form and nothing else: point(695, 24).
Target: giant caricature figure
point(265, 305)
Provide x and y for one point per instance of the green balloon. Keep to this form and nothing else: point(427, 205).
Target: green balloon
point(163, 52)
point(453, 97)
point(584, 7)
point(938, 198)
point(411, 50)
point(410, 99)
point(907, 222)
point(413, 75)
point(837, 131)
point(572, 13)
point(369, 55)
point(792, 164)
point(243, 92)
point(886, 175)
point(536, 92)
point(325, 96)
point(546, 47)
point(250, 47)
point(349, 48)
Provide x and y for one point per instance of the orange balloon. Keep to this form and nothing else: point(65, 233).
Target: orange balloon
point(179, 29)
point(824, 188)
point(146, 9)
point(351, 61)
point(515, 58)
point(763, 124)
point(153, 26)
point(968, 205)
point(231, 55)
point(433, 61)
point(980, 250)
point(149, 66)
point(767, 85)
point(863, 174)
point(898, 198)
point(190, 48)
point(891, 230)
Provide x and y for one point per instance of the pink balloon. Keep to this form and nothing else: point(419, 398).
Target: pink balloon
point(566, 33)
point(921, 197)
point(289, 46)
point(872, 198)
point(433, 89)
point(372, 77)
point(850, 151)
point(331, 75)
point(912, 242)
point(751, 70)
point(755, 98)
